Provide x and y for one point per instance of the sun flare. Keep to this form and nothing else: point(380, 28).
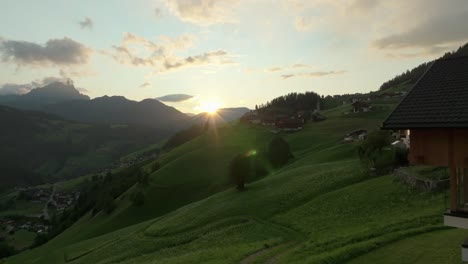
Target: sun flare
point(211, 107)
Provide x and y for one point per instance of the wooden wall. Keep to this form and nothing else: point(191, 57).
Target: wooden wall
point(437, 147)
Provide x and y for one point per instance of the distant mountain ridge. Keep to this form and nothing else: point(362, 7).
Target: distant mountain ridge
point(64, 100)
point(52, 93)
point(120, 110)
point(223, 115)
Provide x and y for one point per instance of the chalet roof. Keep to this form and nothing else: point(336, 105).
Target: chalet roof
point(438, 100)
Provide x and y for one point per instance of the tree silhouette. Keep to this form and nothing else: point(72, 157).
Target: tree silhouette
point(279, 152)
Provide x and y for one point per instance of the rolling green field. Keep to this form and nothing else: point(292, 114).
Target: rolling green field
point(320, 208)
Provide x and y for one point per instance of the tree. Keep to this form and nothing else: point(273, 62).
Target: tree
point(279, 152)
point(373, 145)
point(372, 154)
point(239, 170)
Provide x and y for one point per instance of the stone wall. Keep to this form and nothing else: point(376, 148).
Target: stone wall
point(420, 184)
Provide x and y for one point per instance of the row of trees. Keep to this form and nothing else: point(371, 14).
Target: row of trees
point(291, 102)
point(253, 165)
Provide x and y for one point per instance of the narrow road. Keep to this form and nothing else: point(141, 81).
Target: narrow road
point(45, 210)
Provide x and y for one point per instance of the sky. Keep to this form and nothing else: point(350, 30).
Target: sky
point(227, 53)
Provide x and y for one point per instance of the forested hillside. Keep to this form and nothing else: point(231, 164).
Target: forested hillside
point(37, 147)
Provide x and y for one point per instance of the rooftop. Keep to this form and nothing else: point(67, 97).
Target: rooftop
point(438, 100)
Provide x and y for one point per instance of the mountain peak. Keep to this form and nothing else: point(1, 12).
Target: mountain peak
point(56, 92)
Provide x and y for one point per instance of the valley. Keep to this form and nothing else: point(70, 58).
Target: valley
point(319, 208)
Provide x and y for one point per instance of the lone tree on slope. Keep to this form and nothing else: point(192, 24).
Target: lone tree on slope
point(239, 170)
point(279, 152)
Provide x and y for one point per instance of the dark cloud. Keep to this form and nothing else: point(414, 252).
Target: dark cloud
point(87, 23)
point(175, 98)
point(311, 74)
point(433, 34)
point(63, 51)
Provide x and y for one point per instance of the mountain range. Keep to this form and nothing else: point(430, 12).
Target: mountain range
point(64, 100)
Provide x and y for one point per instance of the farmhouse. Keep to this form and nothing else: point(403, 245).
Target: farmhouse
point(289, 124)
point(435, 115)
point(360, 106)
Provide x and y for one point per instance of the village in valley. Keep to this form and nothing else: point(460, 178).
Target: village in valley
point(32, 210)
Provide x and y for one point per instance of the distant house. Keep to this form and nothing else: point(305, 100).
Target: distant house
point(289, 124)
point(359, 134)
point(361, 106)
point(435, 114)
point(268, 119)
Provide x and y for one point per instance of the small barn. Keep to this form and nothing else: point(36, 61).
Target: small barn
point(435, 116)
point(361, 106)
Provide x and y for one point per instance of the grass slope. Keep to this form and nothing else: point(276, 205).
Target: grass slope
point(321, 208)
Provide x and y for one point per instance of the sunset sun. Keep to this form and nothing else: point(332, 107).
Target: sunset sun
point(211, 107)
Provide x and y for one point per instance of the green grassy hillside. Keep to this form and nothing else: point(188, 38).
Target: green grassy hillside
point(319, 208)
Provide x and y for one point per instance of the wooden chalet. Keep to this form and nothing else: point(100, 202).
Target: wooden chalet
point(361, 106)
point(435, 115)
point(289, 124)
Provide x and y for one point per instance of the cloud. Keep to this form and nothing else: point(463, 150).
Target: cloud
point(213, 57)
point(402, 28)
point(163, 55)
point(300, 65)
point(175, 98)
point(203, 12)
point(274, 69)
point(312, 74)
point(431, 35)
point(286, 68)
point(87, 23)
point(145, 85)
point(82, 90)
point(158, 13)
point(303, 23)
point(62, 52)
point(18, 89)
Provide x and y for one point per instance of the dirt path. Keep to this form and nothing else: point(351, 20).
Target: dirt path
point(45, 210)
point(275, 258)
point(252, 257)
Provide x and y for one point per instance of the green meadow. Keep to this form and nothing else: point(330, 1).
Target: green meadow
point(321, 207)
